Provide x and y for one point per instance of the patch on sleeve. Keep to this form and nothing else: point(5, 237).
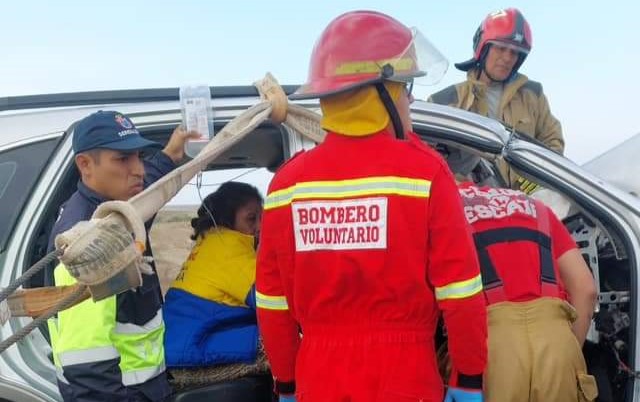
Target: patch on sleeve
point(359, 224)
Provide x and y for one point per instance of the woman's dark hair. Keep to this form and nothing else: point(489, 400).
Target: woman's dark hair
point(223, 204)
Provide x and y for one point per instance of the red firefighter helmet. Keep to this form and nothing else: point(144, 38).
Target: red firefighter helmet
point(365, 47)
point(506, 27)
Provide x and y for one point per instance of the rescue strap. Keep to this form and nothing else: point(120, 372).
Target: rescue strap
point(100, 253)
point(37, 267)
point(104, 257)
point(80, 293)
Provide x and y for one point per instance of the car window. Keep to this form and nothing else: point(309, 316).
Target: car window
point(7, 171)
point(20, 169)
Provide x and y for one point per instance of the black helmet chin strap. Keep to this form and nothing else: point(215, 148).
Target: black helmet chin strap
point(391, 109)
point(387, 101)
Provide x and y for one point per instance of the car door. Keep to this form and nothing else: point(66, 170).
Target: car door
point(603, 219)
point(23, 165)
point(612, 209)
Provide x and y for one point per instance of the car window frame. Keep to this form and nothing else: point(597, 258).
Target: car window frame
point(24, 185)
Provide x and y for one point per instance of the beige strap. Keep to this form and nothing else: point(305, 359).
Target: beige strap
point(272, 92)
point(34, 302)
point(101, 253)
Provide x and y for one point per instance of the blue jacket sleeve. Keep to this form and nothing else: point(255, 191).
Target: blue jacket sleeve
point(157, 166)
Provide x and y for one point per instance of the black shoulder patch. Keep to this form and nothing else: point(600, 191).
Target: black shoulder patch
point(533, 86)
point(447, 96)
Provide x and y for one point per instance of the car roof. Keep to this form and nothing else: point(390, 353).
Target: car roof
point(26, 118)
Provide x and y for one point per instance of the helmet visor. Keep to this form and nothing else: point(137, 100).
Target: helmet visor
point(420, 61)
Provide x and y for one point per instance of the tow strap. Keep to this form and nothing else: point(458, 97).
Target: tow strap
point(103, 255)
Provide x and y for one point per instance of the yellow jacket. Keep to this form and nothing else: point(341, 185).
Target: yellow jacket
point(523, 106)
point(220, 268)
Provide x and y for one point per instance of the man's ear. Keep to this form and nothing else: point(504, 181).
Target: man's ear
point(84, 163)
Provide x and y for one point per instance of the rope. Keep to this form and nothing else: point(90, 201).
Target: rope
point(184, 378)
point(62, 305)
point(35, 268)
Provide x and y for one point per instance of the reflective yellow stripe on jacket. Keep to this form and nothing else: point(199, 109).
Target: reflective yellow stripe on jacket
point(89, 332)
point(460, 290)
point(271, 302)
point(382, 185)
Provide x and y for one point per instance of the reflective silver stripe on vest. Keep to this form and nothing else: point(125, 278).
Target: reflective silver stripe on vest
point(337, 189)
point(140, 376)
point(88, 355)
point(151, 325)
point(60, 375)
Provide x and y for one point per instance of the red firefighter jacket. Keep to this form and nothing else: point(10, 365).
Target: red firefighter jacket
point(367, 233)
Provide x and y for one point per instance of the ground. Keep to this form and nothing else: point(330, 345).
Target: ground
point(171, 242)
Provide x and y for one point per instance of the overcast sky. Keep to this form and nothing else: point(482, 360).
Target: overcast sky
point(585, 53)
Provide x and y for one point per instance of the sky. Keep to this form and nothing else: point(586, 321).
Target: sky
point(584, 53)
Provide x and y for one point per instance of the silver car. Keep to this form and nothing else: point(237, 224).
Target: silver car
point(37, 174)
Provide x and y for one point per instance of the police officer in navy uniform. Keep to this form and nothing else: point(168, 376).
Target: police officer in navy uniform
point(112, 350)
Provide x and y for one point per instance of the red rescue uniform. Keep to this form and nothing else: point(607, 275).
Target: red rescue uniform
point(518, 240)
point(363, 242)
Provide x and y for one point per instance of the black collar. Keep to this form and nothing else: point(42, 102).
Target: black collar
point(90, 195)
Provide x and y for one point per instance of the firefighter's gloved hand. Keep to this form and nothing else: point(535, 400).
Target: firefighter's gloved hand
point(526, 186)
point(287, 398)
point(463, 395)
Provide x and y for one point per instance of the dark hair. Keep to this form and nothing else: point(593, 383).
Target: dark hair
point(223, 205)
point(94, 154)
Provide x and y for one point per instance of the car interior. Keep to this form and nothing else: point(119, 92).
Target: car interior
point(263, 148)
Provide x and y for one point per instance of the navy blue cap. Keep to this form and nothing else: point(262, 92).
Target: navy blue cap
point(109, 130)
